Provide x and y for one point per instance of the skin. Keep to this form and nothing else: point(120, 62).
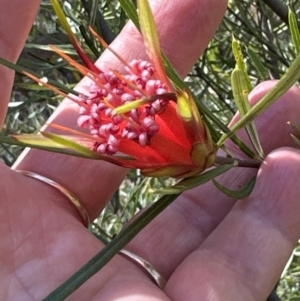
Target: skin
point(208, 246)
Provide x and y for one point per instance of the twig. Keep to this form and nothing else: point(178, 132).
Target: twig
point(251, 163)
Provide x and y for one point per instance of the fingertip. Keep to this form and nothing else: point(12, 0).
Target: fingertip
point(263, 88)
point(277, 192)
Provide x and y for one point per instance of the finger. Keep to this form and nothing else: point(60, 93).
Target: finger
point(184, 225)
point(15, 25)
point(245, 255)
point(95, 182)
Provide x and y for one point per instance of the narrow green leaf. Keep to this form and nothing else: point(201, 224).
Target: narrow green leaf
point(283, 85)
point(94, 12)
point(294, 30)
point(67, 143)
point(195, 181)
point(237, 194)
point(20, 69)
point(295, 128)
point(240, 62)
point(82, 150)
point(131, 12)
point(241, 87)
point(240, 91)
point(39, 142)
point(296, 140)
point(89, 42)
point(151, 40)
point(257, 63)
point(67, 48)
point(63, 20)
point(296, 136)
point(65, 24)
point(30, 140)
point(240, 94)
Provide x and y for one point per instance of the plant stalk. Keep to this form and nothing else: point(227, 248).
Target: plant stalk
point(251, 163)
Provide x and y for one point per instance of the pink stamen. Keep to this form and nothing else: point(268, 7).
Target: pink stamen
point(111, 90)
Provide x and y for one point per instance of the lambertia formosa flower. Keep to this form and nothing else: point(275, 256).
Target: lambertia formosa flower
point(142, 115)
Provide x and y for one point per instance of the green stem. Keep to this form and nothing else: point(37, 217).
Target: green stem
point(251, 163)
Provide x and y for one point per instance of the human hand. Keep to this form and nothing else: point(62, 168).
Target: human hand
point(207, 247)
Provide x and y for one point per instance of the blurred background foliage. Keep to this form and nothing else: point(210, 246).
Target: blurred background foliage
point(260, 25)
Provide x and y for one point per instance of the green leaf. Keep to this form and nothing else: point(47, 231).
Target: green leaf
point(282, 86)
point(39, 142)
point(151, 40)
point(67, 48)
point(70, 144)
point(195, 181)
point(94, 12)
point(237, 194)
point(35, 140)
point(240, 62)
point(65, 24)
point(21, 70)
point(294, 30)
point(63, 20)
point(89, 42)
point(296, 140)
point(241, 88)
point(296, 136)
point(257, 63)
point(240, 94)
point(240, 91)
point(131, 12)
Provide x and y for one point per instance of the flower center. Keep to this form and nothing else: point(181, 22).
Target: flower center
point(113, 90)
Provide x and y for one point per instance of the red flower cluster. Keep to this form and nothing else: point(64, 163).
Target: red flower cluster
point(140, 114)
point(110, 91)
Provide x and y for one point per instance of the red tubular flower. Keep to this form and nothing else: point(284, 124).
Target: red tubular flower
point(140, 114)
point(137, 114)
